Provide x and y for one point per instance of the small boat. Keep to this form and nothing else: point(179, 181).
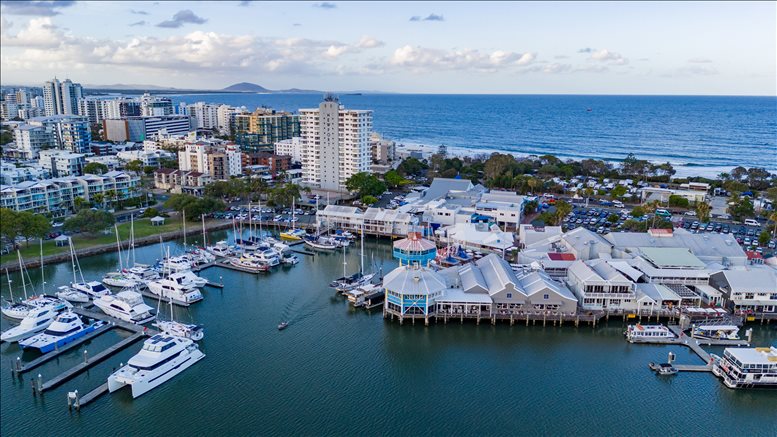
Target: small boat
point(293, 235)
point(92, 288)
point(178, 329)
point(321, 243)
point(67, 328)
point(283, 326)
point(221, 249)
point(161, 358)
point(718, 332)
point(120, 279)
point(169, 289)
point(663, 369)
point(127, 305)
point(72, 295)
point(37, 320)
point(249, 264)
point(290, 259)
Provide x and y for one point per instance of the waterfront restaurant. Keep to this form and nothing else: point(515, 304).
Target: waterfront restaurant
point(411, 292)
point(414, 250)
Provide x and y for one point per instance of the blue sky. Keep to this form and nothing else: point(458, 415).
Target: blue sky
point(435, 47)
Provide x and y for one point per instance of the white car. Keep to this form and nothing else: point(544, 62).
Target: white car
point(691, 213)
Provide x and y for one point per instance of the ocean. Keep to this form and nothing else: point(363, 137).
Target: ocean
point(699, 135)
point(340, 371)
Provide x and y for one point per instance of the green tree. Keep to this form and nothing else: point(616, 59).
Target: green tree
point(220, 189)
point(763, 238)
point(613, 218)
point(365, 184)
point(168, 163)
point(703, 210)
point(530, 207)
point(562, 210)
point(411, 167)
point(179, 202)
point(10, 226)
point(99, 199)
point(773, 218)
point(97, 168)
point(33, 225)
point(89, 221)
point(151, 212)
point(149, 170)
point(283, 195)
point(741, 207)
point(394, 179)
point(369, 200)
point(618, 191)
point(638, 212)
point(136, 166)
point(678, 201)
point(80, 203)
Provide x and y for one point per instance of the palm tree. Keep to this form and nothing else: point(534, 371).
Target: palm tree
point(773, 218)
point(703, 211)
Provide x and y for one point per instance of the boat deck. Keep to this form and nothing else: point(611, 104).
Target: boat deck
point(19, 369)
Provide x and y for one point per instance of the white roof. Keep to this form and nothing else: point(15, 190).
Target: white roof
point(414, 280)
point(752, 281)
point(657, 292)
point(474, 234)
point(758, 355)
point(460, 296)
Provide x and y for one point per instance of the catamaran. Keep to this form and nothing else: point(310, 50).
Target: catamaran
point(161, 358)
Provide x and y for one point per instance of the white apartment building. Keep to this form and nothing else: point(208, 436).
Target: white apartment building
point(225, 115)
point(61, 98)
point(152, 106)
point(62, 162)
point(335, 144)
point(31, 139)
point(291, 147)
point(11, 174)
point(148, 158)
point(206, 115)
point(217, 160)
point(68, 132)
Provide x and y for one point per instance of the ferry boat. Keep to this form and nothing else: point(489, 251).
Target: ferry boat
point(747, 367)
point(37, 320)
point(161, 358)
point(169, 289)
point(92, 288)
point(126, 305)
point(72, 295)
point(727, 332)
point(67, 328)
point(647, 332)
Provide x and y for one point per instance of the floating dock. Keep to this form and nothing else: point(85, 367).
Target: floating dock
point(19, 368)
point(693, 344)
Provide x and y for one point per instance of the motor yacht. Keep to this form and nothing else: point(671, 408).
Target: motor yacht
point(170, 289)
point(37, 320)
point(20, 310)
point(187, 278)
point(747, 367)
point(120, 279)
point(126, 305)
point(66, 328)
point(143, 272)
point(92, 288)
point(161, 358)
point(727, 332)
point(176, 264)
point(267, 256)
point(221, 249)
point(289, 259)
point(249, 263)
point(72, 295)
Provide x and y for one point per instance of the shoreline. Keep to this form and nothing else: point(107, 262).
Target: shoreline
point(13, 266)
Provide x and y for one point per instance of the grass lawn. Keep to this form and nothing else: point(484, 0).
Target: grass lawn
point(143, 228)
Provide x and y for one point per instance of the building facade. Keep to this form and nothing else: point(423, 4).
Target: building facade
point(61, 98)
point(261, 129)
point(62, 162)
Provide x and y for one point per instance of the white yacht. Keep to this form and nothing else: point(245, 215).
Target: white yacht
point(200, 256)
point(290, 259)
point(126, 305)
point(20, 310)
point(143, 272)
point(72, 295)
point(176, 264)
point(120, 279)
point(727, 332)
point(161, 358)
point(267, 256)
point(169, 289)
point(187, 278)
point(66, 328)
point(221, 249)
point(178, 329)
point(92, 288)
point(321, 243)
point(648, 332)
point(37, 320)
point(249, 263)
point(747, 367)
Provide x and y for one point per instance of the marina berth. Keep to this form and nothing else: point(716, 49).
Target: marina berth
point(747, 367)
point(36, 320)
point(161, 358)
point(635, 333)
point(127, 305)
point(66, 328)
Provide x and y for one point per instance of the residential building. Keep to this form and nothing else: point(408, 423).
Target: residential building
point(149, 159)
point(276, 163)
point(335, 144)
point(10, 174)
point(693, 195)
point(62, 162)
point(61, 98)
point(225, 116)
point(30, 139)
point(291, 147)
point(145, 127)
point(181, 181)
point(383, 150)
point(153, 106)
point(218, 160)
point(261, 129)
point(59, 131)
point(206, 115)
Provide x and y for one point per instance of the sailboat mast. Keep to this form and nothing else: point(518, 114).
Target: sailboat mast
point(10, 288)
point(42, 278)
point(21, 270)
point(204, 242)
point(260, 218)
point(184, 228)
point(118, 246)
point(132, 239)
point(293, 207)
point(361, 266)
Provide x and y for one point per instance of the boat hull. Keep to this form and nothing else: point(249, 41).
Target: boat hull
point(48, 347)
point(143, 385)
point(12, 336)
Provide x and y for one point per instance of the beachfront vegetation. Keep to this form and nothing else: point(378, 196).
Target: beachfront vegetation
point(285, 194)
point(740, 207)
point(703, 210)
point(393, 179)
point(678, 201)
point(89, 221)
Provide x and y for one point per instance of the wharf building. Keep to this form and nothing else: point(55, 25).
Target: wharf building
point(335, 144)
point(376, 221)
point(56, 196)
point(263, 128)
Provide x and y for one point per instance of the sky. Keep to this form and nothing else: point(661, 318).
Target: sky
point(693, 48)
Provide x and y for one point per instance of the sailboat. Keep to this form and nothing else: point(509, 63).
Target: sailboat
point(120, 278)
point(293, 234)
point(20, 310)
point(318, 241)
point(178, 329)
point(91, 288)
point(358, 279)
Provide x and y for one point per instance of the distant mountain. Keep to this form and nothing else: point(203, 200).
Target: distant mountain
point(246, 87)
point(121, 86)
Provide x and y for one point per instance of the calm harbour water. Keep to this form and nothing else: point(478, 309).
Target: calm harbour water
point(339, 371)
point(699, 135)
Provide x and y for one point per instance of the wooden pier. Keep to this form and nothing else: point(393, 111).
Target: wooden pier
point(87, 398)
point(695, 345)
point(89, 362)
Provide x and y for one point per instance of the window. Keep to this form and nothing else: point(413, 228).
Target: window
point(545, 297)
point(509, 295)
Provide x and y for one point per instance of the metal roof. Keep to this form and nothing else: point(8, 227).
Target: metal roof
point(671, 257)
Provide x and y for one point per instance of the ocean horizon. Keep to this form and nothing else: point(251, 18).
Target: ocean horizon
point(699, 135)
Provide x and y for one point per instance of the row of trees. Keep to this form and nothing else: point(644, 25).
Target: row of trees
point(89, 221)
point(194, 207)
point(254, 189)
point(25, 224)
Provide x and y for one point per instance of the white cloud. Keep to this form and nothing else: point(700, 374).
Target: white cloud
point(700, 61)
point(420, 59)
point(368, 42)
point(604, 55)
point(39, 33)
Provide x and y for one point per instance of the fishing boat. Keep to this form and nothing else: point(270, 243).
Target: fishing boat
point(178, 329)
point(639, 332)
point(727, 332)
point(161, 358)
point(37, 320)
point(282, 326)
point(72, 295)
point(127, 305)
point(66, 328)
